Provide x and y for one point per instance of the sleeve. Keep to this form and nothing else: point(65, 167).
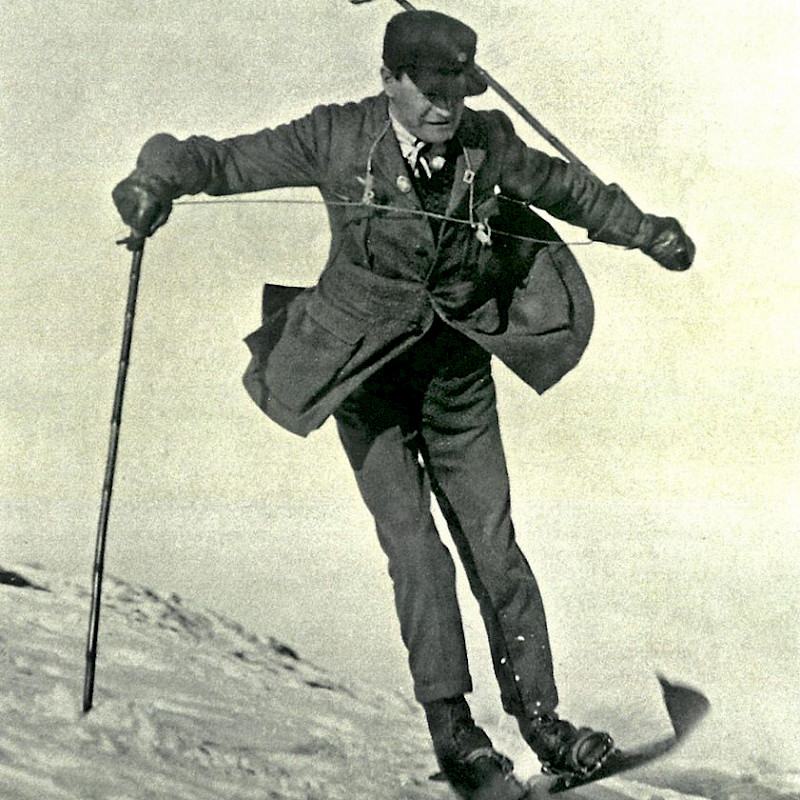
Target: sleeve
point(293, 154)
point(569, 192)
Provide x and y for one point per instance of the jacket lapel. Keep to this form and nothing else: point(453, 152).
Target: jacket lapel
point(387, 160)
point(468, 163)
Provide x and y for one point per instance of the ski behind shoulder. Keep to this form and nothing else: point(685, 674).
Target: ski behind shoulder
point(685, 707)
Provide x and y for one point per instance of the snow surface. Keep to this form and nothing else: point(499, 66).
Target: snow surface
point(190, 706)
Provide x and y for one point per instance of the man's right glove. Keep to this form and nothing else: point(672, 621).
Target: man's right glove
point(665, 241)
point(144, 202)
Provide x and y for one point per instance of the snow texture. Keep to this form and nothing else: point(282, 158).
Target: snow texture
point(189, 706)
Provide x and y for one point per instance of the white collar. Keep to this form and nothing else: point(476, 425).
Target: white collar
point(409, 144)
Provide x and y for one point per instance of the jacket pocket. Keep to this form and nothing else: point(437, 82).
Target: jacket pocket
point(317, 342)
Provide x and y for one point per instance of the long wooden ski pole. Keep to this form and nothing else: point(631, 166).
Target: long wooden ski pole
point(137, 246)
point(512, 101)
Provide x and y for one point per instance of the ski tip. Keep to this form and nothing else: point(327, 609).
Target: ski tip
point(686, 706)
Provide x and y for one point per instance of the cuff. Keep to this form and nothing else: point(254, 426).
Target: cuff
point(623, 223)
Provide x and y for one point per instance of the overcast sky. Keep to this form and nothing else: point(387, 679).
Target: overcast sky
point(655, 486)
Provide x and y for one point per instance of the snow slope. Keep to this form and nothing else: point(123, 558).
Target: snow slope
point(189, 706)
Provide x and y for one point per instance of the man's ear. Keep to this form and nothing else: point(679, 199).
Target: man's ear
point(388, 80)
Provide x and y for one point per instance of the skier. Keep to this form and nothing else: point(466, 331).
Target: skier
point(422, 285)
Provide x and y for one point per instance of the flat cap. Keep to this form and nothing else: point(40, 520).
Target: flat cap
point(436, 51)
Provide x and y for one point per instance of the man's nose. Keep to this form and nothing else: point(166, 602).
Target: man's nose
point(445, 106)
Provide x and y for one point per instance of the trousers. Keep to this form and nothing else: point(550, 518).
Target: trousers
point(426, 425)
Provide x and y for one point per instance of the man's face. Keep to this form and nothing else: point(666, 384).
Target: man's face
point(432, 118)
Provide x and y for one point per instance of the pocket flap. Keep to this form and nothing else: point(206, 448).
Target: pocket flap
point(336, 321)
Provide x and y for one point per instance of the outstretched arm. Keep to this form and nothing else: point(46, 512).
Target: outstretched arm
point(572, 193)
point(293, 154)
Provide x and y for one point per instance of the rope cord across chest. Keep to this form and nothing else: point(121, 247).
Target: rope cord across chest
point(377, 207)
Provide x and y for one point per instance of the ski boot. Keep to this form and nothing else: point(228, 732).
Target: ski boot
point(564, 749)
point(465, 754)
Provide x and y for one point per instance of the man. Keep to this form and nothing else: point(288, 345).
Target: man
point(436, 263)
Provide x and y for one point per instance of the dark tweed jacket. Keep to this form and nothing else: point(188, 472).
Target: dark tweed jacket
point(386, 276)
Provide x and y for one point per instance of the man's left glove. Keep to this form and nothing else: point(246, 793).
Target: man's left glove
point(616, 219)
point(665, 241)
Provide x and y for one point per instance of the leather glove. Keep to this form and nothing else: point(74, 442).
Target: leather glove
point(665, 241)
point(143, 202)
